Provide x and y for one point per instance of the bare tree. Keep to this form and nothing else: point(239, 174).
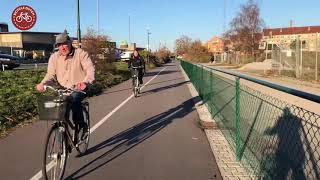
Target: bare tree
point(197, 52)
point(99, 50)
point(244, 28)
point(163, 54)
point(192, 50)
point(182, 45)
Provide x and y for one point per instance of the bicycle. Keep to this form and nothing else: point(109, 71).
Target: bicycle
point(135, 81)
point(60, 141)
point(23, 16)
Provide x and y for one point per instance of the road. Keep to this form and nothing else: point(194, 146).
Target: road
point(154, 136)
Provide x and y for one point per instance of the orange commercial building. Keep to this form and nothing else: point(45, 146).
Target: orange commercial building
point(215, 45)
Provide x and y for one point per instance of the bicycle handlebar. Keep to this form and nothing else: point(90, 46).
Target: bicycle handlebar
point(137, 67)
point(62, 90)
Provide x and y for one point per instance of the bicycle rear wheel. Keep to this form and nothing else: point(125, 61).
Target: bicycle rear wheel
point(83, 143)
point(55, 154)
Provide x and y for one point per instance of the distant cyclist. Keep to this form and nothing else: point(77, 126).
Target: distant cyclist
point(137, 61)
point(71, 68)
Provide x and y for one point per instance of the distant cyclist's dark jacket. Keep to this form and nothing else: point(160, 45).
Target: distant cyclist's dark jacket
point(136, 62)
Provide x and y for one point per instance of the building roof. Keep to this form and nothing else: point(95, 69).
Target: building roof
point(214, 38)
point(291, 30)
point(30, 32)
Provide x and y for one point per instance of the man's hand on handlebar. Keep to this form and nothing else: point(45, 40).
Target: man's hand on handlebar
point(81, 86)
point(76, 88)
point(40, 87)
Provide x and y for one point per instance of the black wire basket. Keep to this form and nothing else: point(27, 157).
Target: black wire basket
point(51, 108)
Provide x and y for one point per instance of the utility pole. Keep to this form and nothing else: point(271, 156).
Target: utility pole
point(148, 33)
point(301, 59)
point(297, 55)
point(98, 17)
point(317, 57)
point(129, 32)
point(78, 24)
point(224, 15)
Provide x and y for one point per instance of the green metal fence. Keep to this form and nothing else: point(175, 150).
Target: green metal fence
point(273, 139)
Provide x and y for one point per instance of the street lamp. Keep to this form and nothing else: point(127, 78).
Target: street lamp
point(98, 17)
point(78, 24)
point(129, 31)
point(148, 34)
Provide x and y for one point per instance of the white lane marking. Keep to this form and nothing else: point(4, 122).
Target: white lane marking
point(39, 174)
point(48, 167)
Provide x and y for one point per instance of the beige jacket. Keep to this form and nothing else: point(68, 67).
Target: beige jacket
point(70, 70)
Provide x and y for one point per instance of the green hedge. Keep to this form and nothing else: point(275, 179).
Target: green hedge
point(18, 97)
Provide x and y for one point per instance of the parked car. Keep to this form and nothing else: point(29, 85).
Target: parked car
point(125, 56)
point(9, 62)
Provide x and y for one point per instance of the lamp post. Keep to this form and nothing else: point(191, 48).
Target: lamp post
point(98, 17)
point(317, 57)
point(129, 30)
point(78, 24)
point(148, 34)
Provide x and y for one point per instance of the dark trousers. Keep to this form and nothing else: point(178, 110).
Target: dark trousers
point(75, 106)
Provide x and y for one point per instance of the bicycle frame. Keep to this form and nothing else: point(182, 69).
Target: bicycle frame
point(57, 150)
point(66, 123)
point(23, 16)
point(135, 80)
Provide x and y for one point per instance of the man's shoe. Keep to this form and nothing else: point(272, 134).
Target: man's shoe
point(83, 133)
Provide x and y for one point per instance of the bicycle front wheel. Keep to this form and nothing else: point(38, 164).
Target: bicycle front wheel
point(136, 86)
point(55, 154)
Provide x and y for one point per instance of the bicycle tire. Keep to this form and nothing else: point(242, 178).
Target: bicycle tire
point(29, 19)
point(83, 144)
point(18, 19)
point(136, 86)
point(135, 92)
point(54, 164)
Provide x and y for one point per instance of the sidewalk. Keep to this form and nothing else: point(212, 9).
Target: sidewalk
point(229, 168)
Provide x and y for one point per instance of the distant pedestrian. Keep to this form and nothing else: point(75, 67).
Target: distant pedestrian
point(34, 55)
point(212, 59)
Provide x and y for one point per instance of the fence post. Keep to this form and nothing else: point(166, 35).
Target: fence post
point(201, 83)
point(211, 94)
point(316, 73)
point(280, 67)
point(238, 150)
point(301, 66)
point(297, 55)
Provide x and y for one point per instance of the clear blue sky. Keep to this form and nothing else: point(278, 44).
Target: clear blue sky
point(167, 19)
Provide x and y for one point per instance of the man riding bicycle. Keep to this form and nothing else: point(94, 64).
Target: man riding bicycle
point(137, 61)
point(71, 68)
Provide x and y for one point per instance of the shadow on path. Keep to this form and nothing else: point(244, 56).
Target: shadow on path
point(287, 157)
point(132, 137)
